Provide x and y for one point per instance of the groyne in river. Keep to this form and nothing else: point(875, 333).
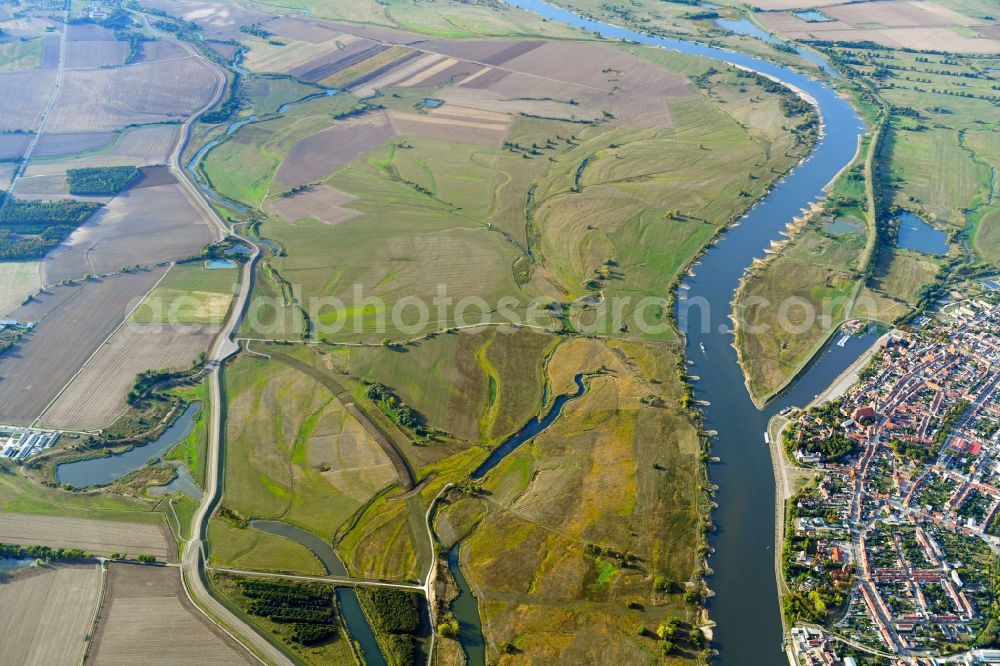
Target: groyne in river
point(745, 605)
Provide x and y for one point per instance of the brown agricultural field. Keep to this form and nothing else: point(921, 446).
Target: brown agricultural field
point(99, 537)
point(144, 226)
point(109, 99)
point(54, 145)
point(447, 125)
point(911, 24)
point(314, 157)
point(95, 54)
point(145, 618)
point(97, 395)
point(322, 203)
point(34, 372)
point(48, 613)
point(25, 95)
point(13, 145)
point(159, 50)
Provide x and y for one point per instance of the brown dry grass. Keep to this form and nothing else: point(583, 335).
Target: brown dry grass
point(47, 615)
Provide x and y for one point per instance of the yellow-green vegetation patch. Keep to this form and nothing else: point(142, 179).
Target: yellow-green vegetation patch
point(784, 315)
point(413, 240)
point(246, 548)
point(906, 275)
point(938, 175)
point(293, 453)
point(351, 74)
point(189, 294)
point(547, 531)
point(18, 280)
point(20, 494)
point(18, 55)
point(444, 378)
point(244, 165)
point(192, 450)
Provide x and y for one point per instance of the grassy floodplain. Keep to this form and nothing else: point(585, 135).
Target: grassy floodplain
point(936, 159)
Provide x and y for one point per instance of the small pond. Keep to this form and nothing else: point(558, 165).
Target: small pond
point(813, 16)
point(183, 482)
point(220, 264)
point(432, 103)
point(15, 563)
point(746, 27)
point(915, 234)
point(844, 225)
point(108, 469)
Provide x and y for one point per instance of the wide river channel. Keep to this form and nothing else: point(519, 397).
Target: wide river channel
point(745, 605)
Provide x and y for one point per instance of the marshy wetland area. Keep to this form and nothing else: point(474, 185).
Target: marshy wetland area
point(368, 327)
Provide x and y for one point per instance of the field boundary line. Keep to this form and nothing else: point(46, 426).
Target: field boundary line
point(103, 344)
point(95, 620)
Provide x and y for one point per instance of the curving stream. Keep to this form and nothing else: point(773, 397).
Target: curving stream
point(745, 605)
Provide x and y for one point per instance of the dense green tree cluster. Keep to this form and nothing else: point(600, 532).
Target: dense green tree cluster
point(397, 410)
point(42, 552)
point(395, 614)
point(29, 229)
point(309, 607)
point(100, 180)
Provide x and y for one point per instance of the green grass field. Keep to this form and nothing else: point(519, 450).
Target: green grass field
point(243, 167)
point(20, 55)
point(22, 495)
point(189, 294)
point(234, 548)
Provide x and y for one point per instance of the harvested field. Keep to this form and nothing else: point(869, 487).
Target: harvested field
point(354, 77)
point(54, 610)
point(134, 147)
point(323, 203)
point(54, 145)
point(90, 55)
point(406, 71)
point(159, 50)
point(89, 32)
point(98, 394)
point(143, 226)
point(214, 18)
point(110, 99)
point(303, 31)
point(265, 56)
point(147, 619)
point(793, 4)
point(320, 67)
point(18, 280)
point(50, 52)
point(911, 24)
point(316, 156)
point(24, 99)
point(99, 537)
point(448, 126)
point(34, 372)
point(12, 146)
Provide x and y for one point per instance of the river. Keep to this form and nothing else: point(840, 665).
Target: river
point(745, 605)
